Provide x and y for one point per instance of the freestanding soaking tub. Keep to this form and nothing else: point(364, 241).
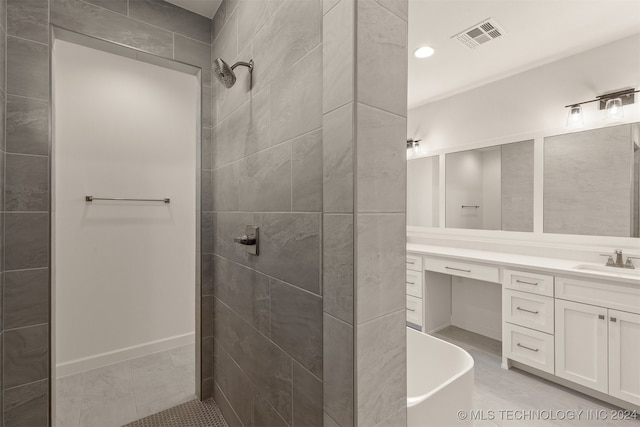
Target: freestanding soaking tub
point(439, 382)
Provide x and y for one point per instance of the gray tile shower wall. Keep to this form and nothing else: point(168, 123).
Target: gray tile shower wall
point(3, 101)
point(364, 177)
point(267, 171)
point(152, 26)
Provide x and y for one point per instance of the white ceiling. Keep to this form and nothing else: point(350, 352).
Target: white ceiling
point(201, 7)
point(536, 32)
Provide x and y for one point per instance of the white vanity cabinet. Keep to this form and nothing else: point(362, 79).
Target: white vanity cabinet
point(528, 319)
point(598, 346)
point(581, 344)
point(568, 326)
point(414, 275)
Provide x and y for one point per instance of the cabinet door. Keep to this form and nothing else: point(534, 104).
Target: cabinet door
point(581, 344)
point(624, 356)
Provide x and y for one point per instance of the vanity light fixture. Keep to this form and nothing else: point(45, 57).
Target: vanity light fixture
point(413, 147)
point(612, 103)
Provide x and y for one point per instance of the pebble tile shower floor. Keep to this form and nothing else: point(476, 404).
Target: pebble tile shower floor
point(190, 414)
point(124, 392)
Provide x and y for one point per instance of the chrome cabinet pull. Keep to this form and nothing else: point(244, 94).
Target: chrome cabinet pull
point(601, 316)
point(411, 309)
point(527, 283)
point(410, 262)
point(528, 311)
point(613, 319)
point(528, 348)
point(410, 283)
point(457, 269)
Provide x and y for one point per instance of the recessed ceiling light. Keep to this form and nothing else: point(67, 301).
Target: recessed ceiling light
point(423, 52)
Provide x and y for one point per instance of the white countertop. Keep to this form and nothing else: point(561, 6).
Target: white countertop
point(550, 265)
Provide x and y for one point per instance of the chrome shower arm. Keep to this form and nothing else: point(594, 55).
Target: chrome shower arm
point(249, 65)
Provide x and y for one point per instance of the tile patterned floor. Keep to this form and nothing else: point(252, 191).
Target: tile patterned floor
point(119, 394)
point(498, 389)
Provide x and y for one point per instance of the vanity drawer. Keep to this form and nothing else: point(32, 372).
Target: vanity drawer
point(618, 296)
point(464, 269)
point(533, 348)
point(528, 282)
point(414, 262)
point(528, 310)
point(414, 283)
point(414, 310)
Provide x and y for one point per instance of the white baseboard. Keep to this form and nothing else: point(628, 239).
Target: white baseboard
point(109, 358)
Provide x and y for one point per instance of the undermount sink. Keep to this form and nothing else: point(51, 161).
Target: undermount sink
point(613, 271)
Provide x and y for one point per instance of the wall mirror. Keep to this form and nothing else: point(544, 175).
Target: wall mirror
point(490, 188)
point(591, 182)
point(423, 192)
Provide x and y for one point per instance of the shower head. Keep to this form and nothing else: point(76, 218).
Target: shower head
point(224, 73)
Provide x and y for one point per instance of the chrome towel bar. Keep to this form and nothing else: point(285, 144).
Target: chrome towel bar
point(91, 199)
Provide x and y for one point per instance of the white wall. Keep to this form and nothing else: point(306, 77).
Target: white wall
point(529, 106)
point(529, 102)
point(124, 272)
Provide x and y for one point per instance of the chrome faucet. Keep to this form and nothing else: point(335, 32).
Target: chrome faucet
point(618, 261)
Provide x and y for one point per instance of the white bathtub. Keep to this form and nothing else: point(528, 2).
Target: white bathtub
point(439, 382)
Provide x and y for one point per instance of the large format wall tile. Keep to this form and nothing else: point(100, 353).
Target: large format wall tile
point(253, 15)
point(398, 7)
point(27, 68)
point(290, 248)
point(265, 180)
point(26, 240)
point(26, 355)
point(26, 183)
point(27, 405)
point(265, 415)
point(307, 398)
point(225, 46)
point(337, 160)
point(26, 298)
point(306, 174)
point(227, 226)
point(94, 21)
point(380, 266)
point(337, 264)
point(230, 417)
point(382, 161)
point(27, 125)
point(296, 99)
point(120, 6)
point(338, 54)
point(243, 132)
point(382, 58)
point(296, 324)
point(3, 58)
point(195, 53)
point(226, 188)
point(28, 19)
point(382, 368)
point(268, 367)
point(290, 34)
point(244, 290)
point(338, 370)
point(174, 18)
point(235, 385)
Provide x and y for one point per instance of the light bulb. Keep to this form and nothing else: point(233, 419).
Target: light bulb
point(575, 119)
point(613, 109)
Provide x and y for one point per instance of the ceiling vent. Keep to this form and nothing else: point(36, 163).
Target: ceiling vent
point(481, 33)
